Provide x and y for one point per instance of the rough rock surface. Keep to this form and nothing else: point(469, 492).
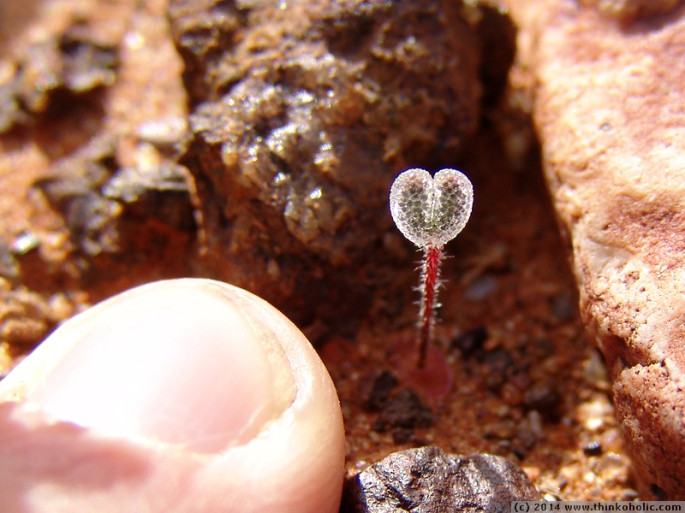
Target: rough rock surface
point(611, 113)
point(427, 480)
point(51, 73)
point(91, 104)
point(510, 278)
point(302, 117)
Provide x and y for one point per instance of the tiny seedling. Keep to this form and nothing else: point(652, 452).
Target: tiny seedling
point(430, 212)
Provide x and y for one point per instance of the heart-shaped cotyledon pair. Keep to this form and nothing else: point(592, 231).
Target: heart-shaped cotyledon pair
point(430, 211)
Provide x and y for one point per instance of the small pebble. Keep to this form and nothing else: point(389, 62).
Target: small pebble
point(375, 389)
point(545, 398)
point(519, 452)
point(545, 347)
point(595, 372)
point(658, 493)
point(592, 414)
point(564, 305)
point(402, 436)
point(470, 340)
point(593, 449)
point(481, 288)
point(431, 481)
point(498, 360)
point(163, 131)
point(25, 242)
point(629, 495)
point(403, 410)
point(527, 438)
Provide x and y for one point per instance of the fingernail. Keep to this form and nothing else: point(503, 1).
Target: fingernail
point(170, 362)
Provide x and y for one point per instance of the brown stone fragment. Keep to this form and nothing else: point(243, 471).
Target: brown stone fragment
point(52, 74)
point(302, 116)
point(429, 480)
point(610, 109)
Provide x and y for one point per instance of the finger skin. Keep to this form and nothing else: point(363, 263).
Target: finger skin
point(293, 463)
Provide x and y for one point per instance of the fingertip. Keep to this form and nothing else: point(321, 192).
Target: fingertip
point(195, 368)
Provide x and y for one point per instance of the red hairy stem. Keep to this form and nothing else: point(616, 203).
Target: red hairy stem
point(429, 287)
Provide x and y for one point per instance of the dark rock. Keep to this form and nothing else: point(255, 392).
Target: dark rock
point(301, 117)
point(545, 398)
point(658, 493)
point(498, 362)
point(404, 410)
point(404, 436)
point(593, 449)
point(75, 192)
point(50, 72)
point(129, 214)
point(427, 480)
point(159, 192)
point(375, 389)
point(564, 305)
point(92, 222)
point(85, 64)
point(471, 340)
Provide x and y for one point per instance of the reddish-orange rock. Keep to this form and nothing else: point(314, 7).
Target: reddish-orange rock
point(610, 110)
